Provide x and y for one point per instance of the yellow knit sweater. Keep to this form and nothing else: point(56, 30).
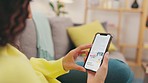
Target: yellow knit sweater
point(16, 68)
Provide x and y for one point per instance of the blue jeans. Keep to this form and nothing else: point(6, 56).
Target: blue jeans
point(118, 72)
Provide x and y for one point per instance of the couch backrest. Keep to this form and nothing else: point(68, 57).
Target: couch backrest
point(28, 39)
point(61, 40)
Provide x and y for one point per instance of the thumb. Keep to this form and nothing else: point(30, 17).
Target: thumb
point(79, 68)
point(102, 72)
point(105, 61)
point(104, 67)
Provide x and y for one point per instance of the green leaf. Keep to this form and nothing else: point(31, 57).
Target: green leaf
point(60, 5)
point(52, 6)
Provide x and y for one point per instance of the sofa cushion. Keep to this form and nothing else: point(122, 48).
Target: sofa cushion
point(84, 34)
point(28, 39)
point(62, 43)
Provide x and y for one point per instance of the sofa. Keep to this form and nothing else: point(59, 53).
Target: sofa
point(28, 39)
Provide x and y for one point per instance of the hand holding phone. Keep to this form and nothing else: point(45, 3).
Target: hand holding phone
point(101, 73)
point(96, 54)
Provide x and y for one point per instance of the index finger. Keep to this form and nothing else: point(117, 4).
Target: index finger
point(82, 47)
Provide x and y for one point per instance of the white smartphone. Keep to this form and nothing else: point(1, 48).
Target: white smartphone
point(99, 47)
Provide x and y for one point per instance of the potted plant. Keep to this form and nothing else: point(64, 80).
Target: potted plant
point(58, 7)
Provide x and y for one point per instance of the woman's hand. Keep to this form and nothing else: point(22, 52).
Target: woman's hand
point(69, 59)
point(100, 75)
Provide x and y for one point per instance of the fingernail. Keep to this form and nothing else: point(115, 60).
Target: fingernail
point(107, 54)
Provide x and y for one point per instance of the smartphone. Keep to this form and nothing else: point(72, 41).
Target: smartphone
point(99, 47)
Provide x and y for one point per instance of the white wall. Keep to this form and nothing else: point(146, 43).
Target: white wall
point(42, 6)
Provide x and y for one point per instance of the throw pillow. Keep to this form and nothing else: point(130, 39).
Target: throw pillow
point(85, 34)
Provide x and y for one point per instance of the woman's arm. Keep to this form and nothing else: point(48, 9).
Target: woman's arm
point(53, 69)
point(50, 69)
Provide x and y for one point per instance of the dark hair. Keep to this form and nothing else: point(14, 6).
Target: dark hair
point(13, 14)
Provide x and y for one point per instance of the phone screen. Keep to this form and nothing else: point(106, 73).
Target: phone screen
point(97, 52)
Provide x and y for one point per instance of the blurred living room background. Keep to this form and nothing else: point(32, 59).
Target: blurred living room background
point(126, 20)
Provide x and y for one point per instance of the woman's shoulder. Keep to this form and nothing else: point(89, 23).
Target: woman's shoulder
point(10, 50)
point(13, 65)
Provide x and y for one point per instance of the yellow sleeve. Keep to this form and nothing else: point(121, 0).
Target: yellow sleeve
point(50, 69)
